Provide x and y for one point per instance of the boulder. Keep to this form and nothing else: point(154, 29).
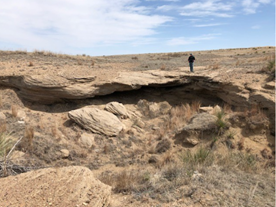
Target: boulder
point(117, 109)
point(97, 121)
point(68, 186)
point(200, 123)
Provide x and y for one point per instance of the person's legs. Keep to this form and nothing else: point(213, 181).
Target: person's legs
point(191, 66)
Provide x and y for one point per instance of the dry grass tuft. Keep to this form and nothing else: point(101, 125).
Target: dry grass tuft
point(27, 141)
point(14, 110)
point(195, 106)
point(3, 126)
point(125, 181)
point(92, 63)
point(180, 115)
point(29, 134)
point(167, 158)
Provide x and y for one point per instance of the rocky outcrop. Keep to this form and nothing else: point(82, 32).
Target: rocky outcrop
point(69, 186)
point(97, 121)
point(49, 89)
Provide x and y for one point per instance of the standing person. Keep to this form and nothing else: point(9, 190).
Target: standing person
point(191, 60)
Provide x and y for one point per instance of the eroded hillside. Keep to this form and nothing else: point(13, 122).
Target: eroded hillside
point(159, 135)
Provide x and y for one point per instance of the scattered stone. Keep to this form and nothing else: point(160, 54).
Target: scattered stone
point(153, 160)
point(192, 140)
point(2, 116)
point(217, 109)
point(207, 109)
point(64, 153)
point(154, 110)
point(138, 122)
point(87, 140)
point(163, 146)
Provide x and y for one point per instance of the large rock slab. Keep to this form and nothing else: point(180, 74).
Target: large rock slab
point(97, 121)
point(69, 186)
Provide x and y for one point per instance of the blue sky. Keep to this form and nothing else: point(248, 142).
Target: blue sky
point(110, 27)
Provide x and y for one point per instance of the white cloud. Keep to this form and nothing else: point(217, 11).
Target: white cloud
point(207, 8)
point(57, 25)
point(191, 40)
point(251, 6)
point(166, 8)
point(207, 25)
point(256, 27)
point(165, 0)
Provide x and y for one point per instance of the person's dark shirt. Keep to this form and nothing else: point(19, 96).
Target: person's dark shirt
point(191, 58)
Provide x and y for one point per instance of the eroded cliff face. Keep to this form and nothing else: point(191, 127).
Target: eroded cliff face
point(177, 85)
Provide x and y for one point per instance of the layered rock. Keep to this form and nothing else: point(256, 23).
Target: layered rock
point(48, 89)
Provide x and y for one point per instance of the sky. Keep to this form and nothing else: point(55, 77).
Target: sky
point(113, 27)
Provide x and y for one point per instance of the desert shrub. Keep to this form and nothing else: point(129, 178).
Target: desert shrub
point(270, 67)
point(201, 156)
point(221, 122)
